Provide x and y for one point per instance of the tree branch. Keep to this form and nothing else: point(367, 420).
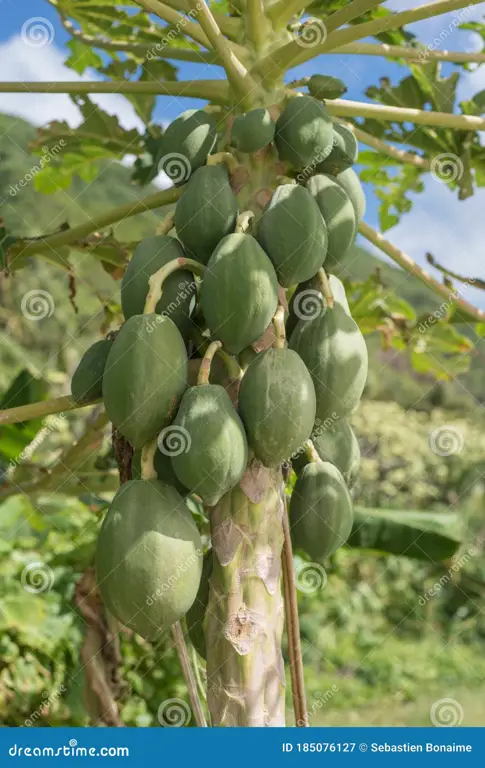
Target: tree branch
point(387, 149)
point(139, 49)
point(345, 108)
point(409, 265)
point(31, 411)
point(182, 23)
point(258, 24)
point(231, 27)
point(237, 74)
point(292, 54)
point(419, 55)
point(212, 90)
point(350, 12)
point(477, 282)
point(24, 248)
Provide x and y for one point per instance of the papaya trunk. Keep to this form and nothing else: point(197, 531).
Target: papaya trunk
point(244, 623)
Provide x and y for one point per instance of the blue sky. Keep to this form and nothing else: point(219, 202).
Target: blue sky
point(438, 222)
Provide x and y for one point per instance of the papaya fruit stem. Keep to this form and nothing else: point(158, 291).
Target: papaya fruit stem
point(146, 462)
point(279, 326)
point(157, 279)
point(166, 225)
point(325, 289)
point(293, 625)
point(311, 452)
point(224, 157)
point(205, 366)
point(233, 369)
point(244, 221)
point(180, 645)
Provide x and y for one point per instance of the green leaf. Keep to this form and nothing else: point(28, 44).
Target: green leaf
point(82, 56)
point(429, 536)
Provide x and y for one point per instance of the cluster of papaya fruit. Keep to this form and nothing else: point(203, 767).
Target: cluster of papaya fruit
point(267, 205)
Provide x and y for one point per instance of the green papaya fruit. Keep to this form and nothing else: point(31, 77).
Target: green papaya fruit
point(216, 450)
point(277, 405)
point(334, 351)
point(196, 614)
point(145, 376)
point(303, 132)
point(206, 212)
point(252, 131)
point(338, 212)
point(162, 464)
point(179, 289)
point(326, 87)
point(186, 144)
point(321, 514)
point(344, 152)
point(293, 233)
point(148, 557)
point(87, 380)
point(239, 293)
point(338, 444)
point(350, 182)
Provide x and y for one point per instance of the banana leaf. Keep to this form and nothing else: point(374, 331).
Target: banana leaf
point(428, 536)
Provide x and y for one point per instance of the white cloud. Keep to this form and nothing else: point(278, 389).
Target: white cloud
point(22, 62)
point(449, 228)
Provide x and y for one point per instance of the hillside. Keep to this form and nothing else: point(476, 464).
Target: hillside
point(29, 213)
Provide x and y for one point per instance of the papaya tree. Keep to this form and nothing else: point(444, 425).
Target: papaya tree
point(240, 353)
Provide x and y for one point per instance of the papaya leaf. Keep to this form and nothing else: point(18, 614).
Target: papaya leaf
point(82, 56)
point(429, 536)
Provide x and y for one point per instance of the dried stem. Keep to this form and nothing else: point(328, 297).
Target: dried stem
point(146, 461)
point(311, 452)
point(476, 282)
point(408, 264)
point(293, 626)
point(205, 366)
point(324, 286)
point(202, 343)
point(244, 221)
point(196, 704)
